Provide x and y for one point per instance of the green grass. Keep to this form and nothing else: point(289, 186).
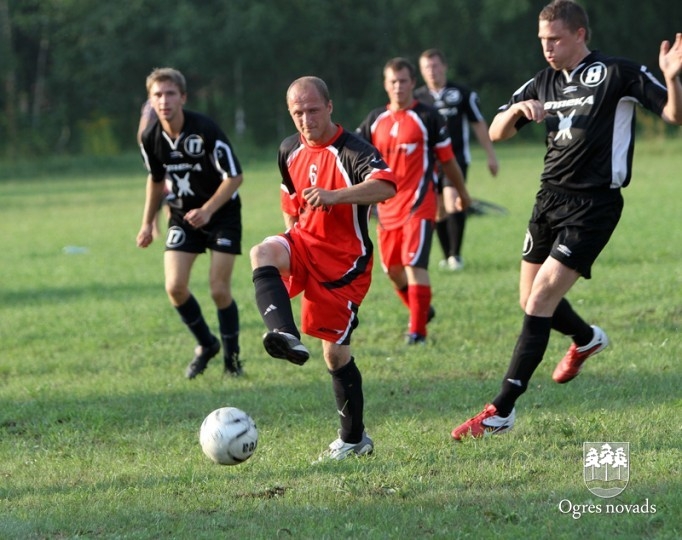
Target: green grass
point(98, 427)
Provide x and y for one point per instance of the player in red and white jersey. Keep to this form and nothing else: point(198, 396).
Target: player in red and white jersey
point(330, 178)
point(411, 136)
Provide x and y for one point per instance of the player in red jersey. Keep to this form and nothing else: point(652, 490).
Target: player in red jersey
point(411, 136)
point(330, 178)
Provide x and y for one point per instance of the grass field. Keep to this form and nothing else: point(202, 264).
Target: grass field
point(98, 426)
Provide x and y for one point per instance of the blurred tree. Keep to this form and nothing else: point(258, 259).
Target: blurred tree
point(73, 71)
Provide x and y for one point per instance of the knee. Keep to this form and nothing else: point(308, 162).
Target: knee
point(260, 255)
point(177, 293)
point(221, 295)
point(335, 360)
point(397, 275)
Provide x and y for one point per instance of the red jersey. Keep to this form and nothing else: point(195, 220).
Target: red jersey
point(336, 238)
point(410, 141)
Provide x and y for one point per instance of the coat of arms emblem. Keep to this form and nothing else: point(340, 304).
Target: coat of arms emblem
point(606, 467)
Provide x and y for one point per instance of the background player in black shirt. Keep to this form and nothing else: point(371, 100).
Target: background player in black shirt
point(587, 102)
point(460, 107)
point(192, 153)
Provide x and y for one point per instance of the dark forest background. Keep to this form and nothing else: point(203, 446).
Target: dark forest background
point(72, 72)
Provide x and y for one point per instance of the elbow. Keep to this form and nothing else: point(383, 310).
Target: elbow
point(500, 135)
point(385, 194)
point(673, 118)
point(495, 134)
point(502, 127)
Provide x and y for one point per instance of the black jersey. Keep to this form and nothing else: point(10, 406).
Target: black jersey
point(590, 119)
point(459, 106)
point(194, 164)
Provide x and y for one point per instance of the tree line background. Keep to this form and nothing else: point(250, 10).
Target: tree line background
point(73, 71)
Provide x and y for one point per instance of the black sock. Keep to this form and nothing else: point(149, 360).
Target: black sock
point(443, 236)
point(273, 300)
point(456, 222)
point(347, 384)
point(190, 313)
point(530, 348)
point(228, 320)
point(569, 323)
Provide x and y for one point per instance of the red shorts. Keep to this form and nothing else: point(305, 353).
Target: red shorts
point(328, 313)
point(409, 245)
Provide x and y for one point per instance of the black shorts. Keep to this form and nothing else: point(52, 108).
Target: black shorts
point(223, 233)
point(572, 228)
point(445, 181)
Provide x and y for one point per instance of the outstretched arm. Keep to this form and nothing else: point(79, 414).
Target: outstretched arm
point(670, 62)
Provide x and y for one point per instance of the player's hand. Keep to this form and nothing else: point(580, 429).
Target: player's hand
point(493, 165)
point(670, 57)
point(318, 197)
point(463, 201)
point(532, 109)
point(145, 236)
point(197, 217)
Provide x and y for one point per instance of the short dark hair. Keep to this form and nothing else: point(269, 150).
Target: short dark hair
point(167, 74)
point(399, 63)
point(433, 53)
point(571, 13)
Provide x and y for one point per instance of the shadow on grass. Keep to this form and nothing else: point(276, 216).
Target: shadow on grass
point(56, 295)
point(275, 398)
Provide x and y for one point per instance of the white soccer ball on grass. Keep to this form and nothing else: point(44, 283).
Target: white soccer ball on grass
point(228, 436)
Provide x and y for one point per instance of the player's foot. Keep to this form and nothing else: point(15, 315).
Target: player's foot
point(453, 263)
point(415, 339)
point(572, 363)
point(431, 315)
point(484, 424)
point(201, 357)
point(233, 367)
point(339, 450)
point(285, 346)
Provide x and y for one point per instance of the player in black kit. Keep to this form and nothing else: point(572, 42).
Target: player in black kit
point(460, 107)
point(192, 153)
point(587, 101)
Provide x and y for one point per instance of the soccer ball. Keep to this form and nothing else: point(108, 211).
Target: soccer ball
point(228, 436)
